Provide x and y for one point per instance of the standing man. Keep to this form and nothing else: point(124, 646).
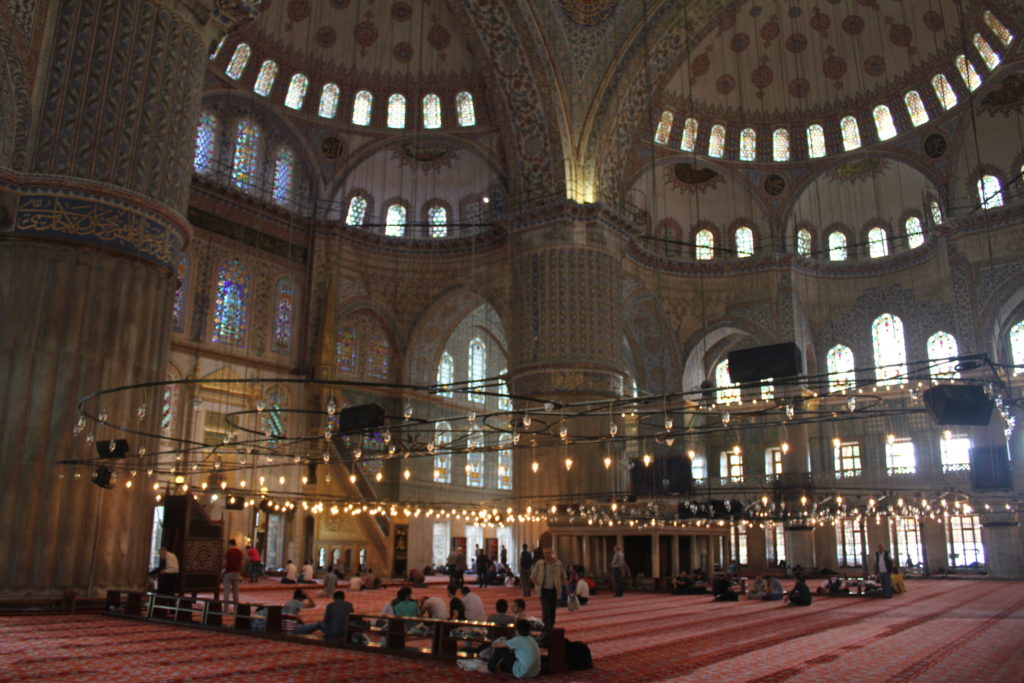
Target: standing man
point(525, 563)
point(883, 567)
point(549, 577)
point(232, 570)
point(620, 570)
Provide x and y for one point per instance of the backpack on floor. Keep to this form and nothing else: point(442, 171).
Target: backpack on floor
point(577, 655)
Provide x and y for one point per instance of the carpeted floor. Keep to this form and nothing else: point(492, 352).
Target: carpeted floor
point(942, 630)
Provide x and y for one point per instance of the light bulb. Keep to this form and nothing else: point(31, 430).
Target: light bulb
point(647, 459)
point(851, 404)
point(261, 405)
point(548, 406)
point(669, 423)
point(332, 407)
point(406, 473)
point(563, 432)
point(790, 410)
point(281, 480)
point(607, 462)
point(785, 447)
point(407, 411)
point(535, 466)
point(613, 428)
point(568, 464)
point(79, 425)
point(104, 415)
point(352, 478)
point(726, 417)
point(142, 451)
point(358, 453)
point(305, 480)
point(691, 454)
point(836, 441)
point(515, 438)
point(140, 412)
point(386, 436)
point(890, 438)
point(380, 476)
point(471, 417)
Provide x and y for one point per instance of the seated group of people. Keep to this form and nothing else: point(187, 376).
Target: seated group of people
point(725, 588)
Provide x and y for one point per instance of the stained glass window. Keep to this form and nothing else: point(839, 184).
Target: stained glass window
point(990, 192)
point(705, 241)
point(942, 347)
point(437, 216)
point(944, 91)
point(296, 92)
point(445, 374)
point(504, 400)
point(884, 123)
point(836, 246)
point(362, 108)
point(231, 308)
point(170, 399)
point(841, 375)
point(477, 369)
point(1017, 347)
point(356, 211)
point(283, 310)
point(851, 133)
point(181, 294)
point(431, 111)
point(283, 175)
point(274, 417)
point(744, 242)
point(347, 349)
point(748, 144)
point(378, 357)
point(265, 81)
point(727, 391)
point(890, 350)
point(716, 143)
point(878, 242)
point(915, 233)
point(803, 242)
point(936, 213)
point(394, 223)
point(239, 60)
point(246, 142)
point(915, 107)
point(206, 139)
point(505, 462)
point(990, 56)
point(688, 143)
point(475, 459)
point(968, 73)
point(1004, 35)
point(329, 101)
point(664, 129)
point(464, 109)
point(780, 144)
point(396, 111)
point(220, 44)
point(816, 141)
point(443, 459)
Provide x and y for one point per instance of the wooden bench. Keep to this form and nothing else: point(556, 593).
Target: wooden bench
point(63, 605)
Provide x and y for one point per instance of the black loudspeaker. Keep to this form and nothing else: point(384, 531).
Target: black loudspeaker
point(990, 468)
point(764, 362)
point(958, 404)
point(101, 477)
point(360, 418)
point(119, 450)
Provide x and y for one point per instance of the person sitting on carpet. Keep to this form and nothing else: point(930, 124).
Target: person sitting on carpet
point(682, 584)
point(583, 590)
point(723, 591)
point(335, 621)
point(456, 608)
point(416, 577)
point(519, 612)
point(291, 572)
point(774, 591)
point(800, 596)
point(403, 605)
point(757, 589)
point(501, 615)
point(434, 607)
point(473, 604)
point(330, 581)
point(898, 584)
point(298, 602)
point(356, 583)
point(307, 572)
point(700, 581)
point(520, 655)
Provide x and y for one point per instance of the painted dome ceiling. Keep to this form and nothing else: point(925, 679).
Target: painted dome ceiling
point(780, 60)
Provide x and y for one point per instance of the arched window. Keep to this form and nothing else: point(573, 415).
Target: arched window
point(990, 56)
point(356, 211)
point(181, 294)
point(699, 468)
point(296, 92)
point(916, 108)
point(329, 101)
point(431, 111)
point(664, 129)
point(362, 108)
point(464, 109)
point(990, 192)
point(504, 400)
point(394, 224)
point(239, 60)
point(716, 143)
point(841, 375)
point(941, 349)
point(283, 175)
point(936, 211)
point(505, 462)
point(437, 217)
point(1017, 347)
point(815, 141)
point(878, 242)
point(445, 374)
point(836, 246)
point(281, 342)
point(220, 44)
point(378, 357)
point(396, 111)
point(915, 233)
point(744, 242)
point(274, 416)
point(477, 369)
point(803, 242)
point(443, 459)
point(474, 458)
point(890, 349)
point(265, 81)
point(231, 307)
point(347, 349)
point(243, 168)
point(727, 391)
point(1004, 35)
point(688, 143)
point(851, 133)
point(944, 91)
point(170, 400)
point(780, 144)
point(748, 144)
point(705, 245)
point(968, 73)
point(884, 123)
point(206, 142)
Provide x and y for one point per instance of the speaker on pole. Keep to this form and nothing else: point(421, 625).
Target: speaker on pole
point(765, 362)
point(958, 404)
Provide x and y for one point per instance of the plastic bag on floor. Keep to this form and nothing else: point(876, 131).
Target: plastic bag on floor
point(472, 664)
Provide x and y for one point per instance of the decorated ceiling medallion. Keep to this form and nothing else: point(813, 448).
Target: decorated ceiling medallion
point(693, 175)
point(901, 35)
point(402, 53)
point(934, 21)
point(796, 43)
point(820, 21)
point(770, 32)
point(859, 169)
point(326, 37)
point(774, 185)
point(935, 145)
point(439, 37)
point(853, 25)
point(365, 33)
point(588, 12)
point(340, 4)
point(725, 84)
point(799, 87)
point(1009, 93)
point(739, 42)
point(401, 11)
point(298, 10)
point(874, 65)
point(433, 154)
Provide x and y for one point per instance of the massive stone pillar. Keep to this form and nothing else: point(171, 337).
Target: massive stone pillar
point(90, 236)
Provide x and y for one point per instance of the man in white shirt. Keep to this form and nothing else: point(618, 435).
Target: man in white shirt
point(549, 576)
point(307, 572)
point(434, 607)
point(291, 573)
point(167, 577)
point(355, 583)
point(474, 605)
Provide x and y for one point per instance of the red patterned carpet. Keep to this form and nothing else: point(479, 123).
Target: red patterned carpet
point(952, 630)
